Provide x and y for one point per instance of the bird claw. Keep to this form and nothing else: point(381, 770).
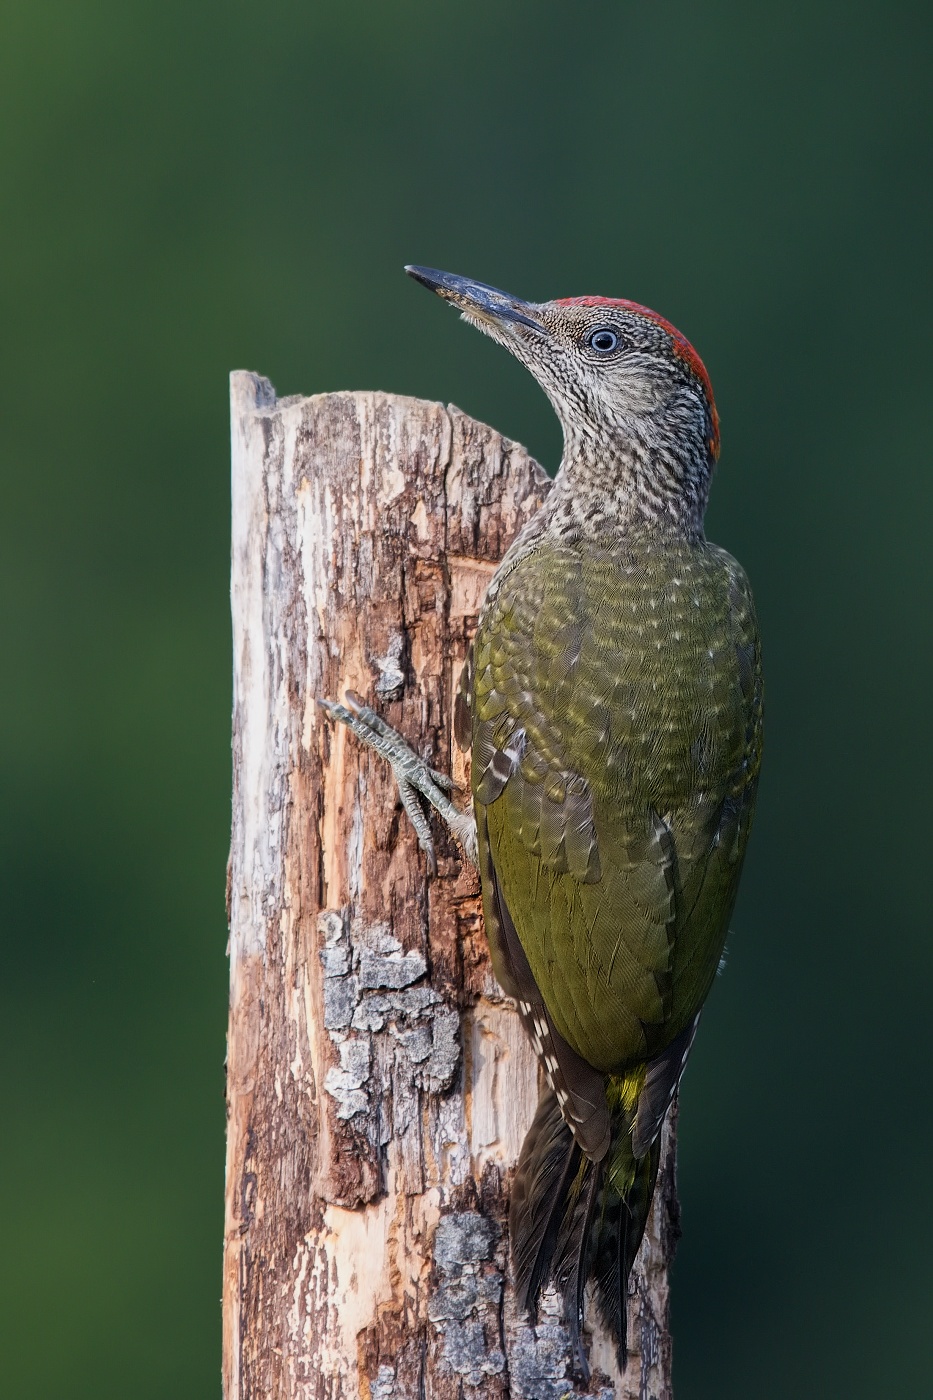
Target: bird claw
point(417, 782)
point(411, 801)
point(371, 720)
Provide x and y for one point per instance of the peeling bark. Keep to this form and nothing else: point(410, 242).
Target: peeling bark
point(379, 1083)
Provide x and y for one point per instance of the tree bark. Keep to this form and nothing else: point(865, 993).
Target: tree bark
point(378, 1083)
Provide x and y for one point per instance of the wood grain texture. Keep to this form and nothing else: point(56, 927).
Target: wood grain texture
point(378, 1083)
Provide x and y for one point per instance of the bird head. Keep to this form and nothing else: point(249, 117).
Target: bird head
point(620, 377)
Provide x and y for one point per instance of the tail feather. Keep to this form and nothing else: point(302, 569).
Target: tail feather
point(575, 1253)
point(572, 1219)
point(549, 1163)
point(621, 1231)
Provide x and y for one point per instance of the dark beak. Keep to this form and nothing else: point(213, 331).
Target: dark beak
point(475, 298)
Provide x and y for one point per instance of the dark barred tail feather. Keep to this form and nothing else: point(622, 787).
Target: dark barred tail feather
point(617, 1236)
point(569, 1223)
point(574, 1256)
point(547, 1169)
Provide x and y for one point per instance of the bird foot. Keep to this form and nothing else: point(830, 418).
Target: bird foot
point(415, 779)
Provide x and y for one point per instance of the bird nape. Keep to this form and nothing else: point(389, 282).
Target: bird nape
point(612, 704)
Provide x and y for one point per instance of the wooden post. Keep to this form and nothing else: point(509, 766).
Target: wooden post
point(378, 1083)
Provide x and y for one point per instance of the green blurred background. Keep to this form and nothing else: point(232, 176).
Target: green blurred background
point(193, 187)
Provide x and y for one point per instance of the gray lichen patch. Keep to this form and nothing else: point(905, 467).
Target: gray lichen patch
point(341, 987)
point(540, 1357)
point(462, 1241)
point(346, 1083)
point(391, 678)
point(376, 997)
point(466, 1304)
point(437, 1067)
point(372, 1012)
point(385, 965)
point(384, 1386)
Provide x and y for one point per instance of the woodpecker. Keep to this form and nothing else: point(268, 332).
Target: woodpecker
point(612, 704)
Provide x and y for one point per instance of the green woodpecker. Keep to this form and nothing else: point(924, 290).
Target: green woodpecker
point(612, 703)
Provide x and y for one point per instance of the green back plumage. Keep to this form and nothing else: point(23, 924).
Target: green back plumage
point(616, 738)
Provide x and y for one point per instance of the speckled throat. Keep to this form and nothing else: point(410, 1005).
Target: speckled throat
point(603, 487)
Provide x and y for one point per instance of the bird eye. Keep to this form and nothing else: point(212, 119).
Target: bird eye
point(603, 340)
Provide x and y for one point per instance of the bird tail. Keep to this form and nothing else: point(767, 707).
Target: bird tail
point(572, 1219)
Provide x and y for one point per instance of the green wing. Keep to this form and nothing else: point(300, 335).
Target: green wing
point(615, 709)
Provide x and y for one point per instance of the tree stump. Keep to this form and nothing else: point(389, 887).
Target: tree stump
point(379, 1084)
